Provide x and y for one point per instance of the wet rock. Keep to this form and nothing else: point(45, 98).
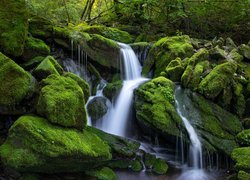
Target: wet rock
point(97, 108)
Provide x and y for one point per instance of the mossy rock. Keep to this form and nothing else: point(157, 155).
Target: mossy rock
point(136, 166)
point(174, 70)
point(97, 108)
point(156, 165)
point(120, 147)
point(16, 84)
point(13, 26)
point(238, 103)
point(35, 145)
point(61, 101)
point(244, 50)
point(217, 53)
point(216, 127)
point(165, 50)
point(219, 78)
point(112, 90)
point(243, 138)
point(230, 45)
point(155, 111)
point(35, 47)
point(242, 175)
point(103, 174)
point(81, 82)
point(196, 68)
point(47, 67)
point(242, 158)
point(33, 63)
point(234, 55)
point(40, 27)
point(107, 32)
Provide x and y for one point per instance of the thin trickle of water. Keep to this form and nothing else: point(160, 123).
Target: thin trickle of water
point(117, 124)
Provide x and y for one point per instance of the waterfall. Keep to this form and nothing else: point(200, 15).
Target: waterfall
point(117, 124)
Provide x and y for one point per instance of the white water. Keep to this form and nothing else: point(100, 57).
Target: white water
point(117, 124)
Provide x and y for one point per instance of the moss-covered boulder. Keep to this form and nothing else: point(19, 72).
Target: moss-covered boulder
point(217, 53)
point(219, 78)
point(47, 67)
point(97, 108)
point(61, 101)
point(235, 55)
point(108, 32)
point(82, 83)
point(174, 70)
point(155, 111)
point(35, 47)
point(13, 26)
point(216, 127)
point(102, 174)
point(16, 84)
point(40, 27)
point(34, 145)
point(242, 158)
point(156, 165)
point(165, 50)
point(112, 90)
point(230, 45)
point(243, 138)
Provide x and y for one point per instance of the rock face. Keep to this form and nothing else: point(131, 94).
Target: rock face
point(61, 101)
point(97, 108)
point(16, 84)
point(13, 26)
point(165, 50)
point(216, 127)
point(154, 104)
point(34, 145)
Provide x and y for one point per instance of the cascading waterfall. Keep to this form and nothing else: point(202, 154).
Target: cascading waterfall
point(117, 124)
point(196, 172)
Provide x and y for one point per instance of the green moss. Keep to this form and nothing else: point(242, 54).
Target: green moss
point(165, 50)
point(154, 104)
point(110, 33)
point(35, 47)
point(47, 67)
point(13, 26)
point(40, 27)
point(235, 55)
point(120, 147)
point(157, 165)
point(112, 89)
point(34, 145)
point(242, 175)
point(244, 50)
point(217, 54)
point(242, 158)
point(61, 101)
point(97, 108)
point(33, 62)
point(82, 83)
point(219, 78)
point(103, 174)
point(243, 138)
point(16, 83)
point(174, 70)
point(239, 103)
point(136, 166)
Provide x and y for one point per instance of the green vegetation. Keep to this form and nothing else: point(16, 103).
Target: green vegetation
point(57, 95)
point(103, 174)
point(157, 165)
point(34, 145)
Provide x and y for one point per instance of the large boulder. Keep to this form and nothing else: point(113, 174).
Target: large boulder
point(218, 79)
point(16, 85)
point(165, 50)
point(34, 145)
point(155, 108)
point(61, 101)
point(13, 26)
